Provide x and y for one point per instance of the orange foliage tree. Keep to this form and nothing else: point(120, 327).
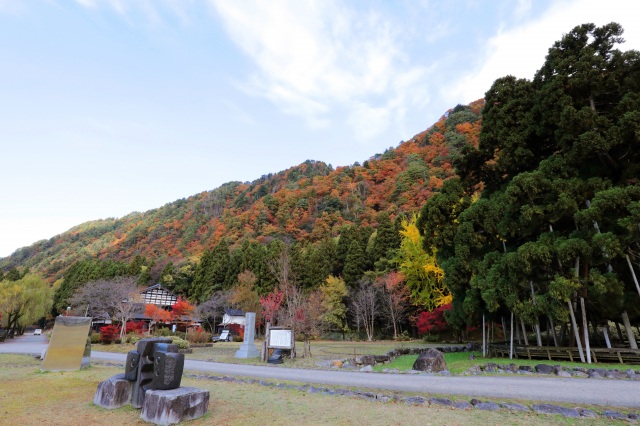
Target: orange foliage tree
point(157, 314)
point(182, 308)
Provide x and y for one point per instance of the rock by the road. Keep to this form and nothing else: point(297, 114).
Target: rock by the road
point(431, 361)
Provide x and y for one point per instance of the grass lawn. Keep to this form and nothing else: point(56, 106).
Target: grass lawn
point(459, 362)
point(29, 397)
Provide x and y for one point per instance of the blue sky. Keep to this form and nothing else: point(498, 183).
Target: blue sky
point(114, 106)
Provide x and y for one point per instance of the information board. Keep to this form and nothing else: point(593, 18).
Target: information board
point(280, 338)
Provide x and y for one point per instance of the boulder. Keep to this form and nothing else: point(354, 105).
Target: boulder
point(544, 369)
point(368, 360)
point(115, 392)
point(431, 361)
point(166, 407)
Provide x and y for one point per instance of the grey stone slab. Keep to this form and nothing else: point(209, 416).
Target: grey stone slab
point(461, 405)
point(167, 407)
point(611, 414)
point(487, 406)
point(584, 412)
point(514, 406)
point(440, 401)
point(555, 409)
point(115, 392)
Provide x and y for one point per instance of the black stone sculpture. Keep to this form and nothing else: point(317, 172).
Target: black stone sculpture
point(151, 381)
point(155, 365)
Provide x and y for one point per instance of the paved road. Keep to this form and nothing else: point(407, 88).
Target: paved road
point(554, 389)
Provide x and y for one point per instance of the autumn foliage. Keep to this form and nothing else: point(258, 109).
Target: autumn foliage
point(109, 333)
point(434, 321)
point(306, 203)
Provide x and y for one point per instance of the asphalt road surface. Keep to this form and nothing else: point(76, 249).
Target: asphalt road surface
point(625, 393)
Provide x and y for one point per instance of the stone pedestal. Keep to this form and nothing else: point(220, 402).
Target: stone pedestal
point(166, 407)
point(115, 392)
point(248, 349)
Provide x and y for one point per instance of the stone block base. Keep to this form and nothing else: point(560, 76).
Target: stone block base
point(166, 407)
point(115, 392)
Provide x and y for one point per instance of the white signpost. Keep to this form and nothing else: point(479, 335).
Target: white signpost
point(279, 338)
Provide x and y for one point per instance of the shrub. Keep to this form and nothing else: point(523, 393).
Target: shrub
point(403, 337)
point(136, 327)
point(198, 336)
point(108, 334)
point(182, 344)
point(433, 321)
point(95, 338)
point(162, 332)
point(133, 338)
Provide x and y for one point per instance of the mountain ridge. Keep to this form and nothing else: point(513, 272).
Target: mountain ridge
point(304, 203)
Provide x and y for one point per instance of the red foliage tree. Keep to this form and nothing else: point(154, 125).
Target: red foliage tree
point(434, 320)
point(271, 304)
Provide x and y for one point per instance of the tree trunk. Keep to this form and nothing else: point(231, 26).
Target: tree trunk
point(524, 333)
point(619, 330)
point(553, 331)
point(483, 338)
point(586, 330)
point(537, 324)
point(511, 339)
point(575, 331)
point(605, 331)
point(563, 332)
point(627, 326)
point(518, 331)
point(633, 274)
point(504, 330)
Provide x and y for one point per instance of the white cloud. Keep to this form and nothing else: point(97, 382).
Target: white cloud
point(521, 50)
point(313, 58)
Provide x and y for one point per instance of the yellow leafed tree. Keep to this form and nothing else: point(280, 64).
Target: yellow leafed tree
point(423, 274)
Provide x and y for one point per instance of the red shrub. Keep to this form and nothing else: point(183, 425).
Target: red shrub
point(109, 333)
point(433, 321)
point(136, 327)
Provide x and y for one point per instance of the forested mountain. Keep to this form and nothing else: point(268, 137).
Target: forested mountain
point(523, 206)
point(305, 204)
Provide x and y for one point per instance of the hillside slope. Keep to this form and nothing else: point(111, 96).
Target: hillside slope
point(305, 203)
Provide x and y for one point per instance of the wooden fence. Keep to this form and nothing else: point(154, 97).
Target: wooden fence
point(552, 353)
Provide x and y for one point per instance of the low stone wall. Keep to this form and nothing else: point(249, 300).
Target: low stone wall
point(556, 370)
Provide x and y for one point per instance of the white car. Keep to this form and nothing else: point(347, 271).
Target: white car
point(37, 332)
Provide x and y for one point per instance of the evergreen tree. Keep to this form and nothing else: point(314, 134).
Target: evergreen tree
point(383, 246)
point(355, 264)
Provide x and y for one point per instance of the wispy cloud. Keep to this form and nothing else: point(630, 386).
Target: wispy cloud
point(316, 57)
point(520, 50)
